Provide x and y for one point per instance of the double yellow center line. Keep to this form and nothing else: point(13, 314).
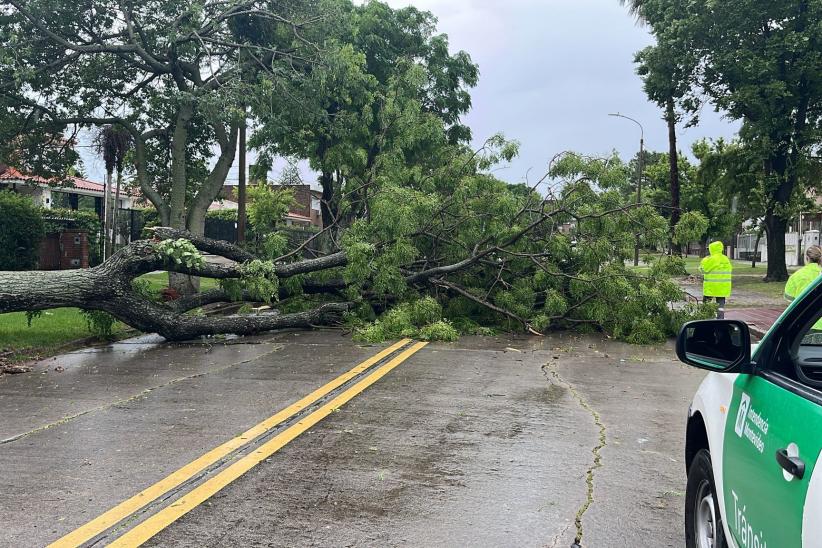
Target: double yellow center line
point(187, 502)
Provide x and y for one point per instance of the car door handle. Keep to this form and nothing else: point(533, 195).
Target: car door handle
point(792, 465)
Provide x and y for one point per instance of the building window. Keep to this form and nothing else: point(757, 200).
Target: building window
point(85, 202)
point(60, 199)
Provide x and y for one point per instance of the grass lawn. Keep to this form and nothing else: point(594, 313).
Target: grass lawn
point(54, 329)
point(61, 326)
point(159, 280)
point(745, 277)
point(755, 284)
point(749, 279)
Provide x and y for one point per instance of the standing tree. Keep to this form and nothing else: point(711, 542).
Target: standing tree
point(734, 168)
point(113, 143)
point(666, 78)
point(379, 101)
point(665, 82)
point(759, 62)
point(165, 71)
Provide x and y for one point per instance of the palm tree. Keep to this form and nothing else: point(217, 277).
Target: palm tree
point(634, 7)
point(112, 143)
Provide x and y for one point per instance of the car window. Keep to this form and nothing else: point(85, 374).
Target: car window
point(807, 356)
point(813, 337)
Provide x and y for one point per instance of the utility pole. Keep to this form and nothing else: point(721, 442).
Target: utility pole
point(241, 184)
point(241, 216)
point(640, 170)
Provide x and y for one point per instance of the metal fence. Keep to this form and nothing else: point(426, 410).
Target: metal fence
point(224, 229)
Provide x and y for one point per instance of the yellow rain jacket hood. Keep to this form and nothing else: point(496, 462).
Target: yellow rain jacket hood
point(717, 271)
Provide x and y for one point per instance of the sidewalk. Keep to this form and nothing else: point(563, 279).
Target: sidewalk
point(758, 319)
point(757, 310)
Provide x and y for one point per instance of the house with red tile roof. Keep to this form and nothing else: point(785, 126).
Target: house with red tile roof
point(70, 193)
point(304, 212)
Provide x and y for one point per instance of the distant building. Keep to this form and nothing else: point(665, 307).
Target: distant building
point(306, 212)
point(811, 220)
point(291, 218)
point(72, 193)
point(803, 232)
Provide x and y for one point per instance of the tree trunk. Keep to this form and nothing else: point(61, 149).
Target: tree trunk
point(182, 284)
point(100, 289)
point(776, 227)
point(673, 159)
point(107, 287)
point(780, 167)
point(327, 202)
point(163, 209)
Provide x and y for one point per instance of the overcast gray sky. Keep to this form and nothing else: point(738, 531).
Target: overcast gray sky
point(550, 72)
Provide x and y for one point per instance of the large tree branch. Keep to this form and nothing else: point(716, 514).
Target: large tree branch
point(108, 288)
point(235, 253)
point(209, 245)
point(487, 304)
point(79, 48)
point(149, 59)
point(140, 166)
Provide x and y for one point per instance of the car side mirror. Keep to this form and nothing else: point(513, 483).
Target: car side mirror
point(723, 346)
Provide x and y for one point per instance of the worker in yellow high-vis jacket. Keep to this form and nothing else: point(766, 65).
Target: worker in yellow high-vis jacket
point(717, 273)
point(803, 277)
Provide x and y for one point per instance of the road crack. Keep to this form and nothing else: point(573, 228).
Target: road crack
point(553, 376)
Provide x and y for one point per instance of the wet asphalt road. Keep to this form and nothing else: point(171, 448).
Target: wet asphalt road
point(485, 442)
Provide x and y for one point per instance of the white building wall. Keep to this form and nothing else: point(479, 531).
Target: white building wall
point(745, 243)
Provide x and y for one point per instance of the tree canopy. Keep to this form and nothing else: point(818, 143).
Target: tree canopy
point(419, 237)
point(761, 63)
point(388, 97)
point(174, 74)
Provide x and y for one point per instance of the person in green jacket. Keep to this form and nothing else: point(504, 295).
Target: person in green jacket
point(717, 273)
point(803, 277)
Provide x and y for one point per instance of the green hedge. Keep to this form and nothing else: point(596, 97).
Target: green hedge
point(21, 231)
point(222, 214)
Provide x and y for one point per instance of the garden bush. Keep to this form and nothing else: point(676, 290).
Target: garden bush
point(21, 231)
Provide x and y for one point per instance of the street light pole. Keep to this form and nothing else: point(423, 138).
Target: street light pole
point(639, 174)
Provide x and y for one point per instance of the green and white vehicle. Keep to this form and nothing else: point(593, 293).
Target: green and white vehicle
point(754, 431)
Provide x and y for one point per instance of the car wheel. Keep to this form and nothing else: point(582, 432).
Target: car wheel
point(703, 520)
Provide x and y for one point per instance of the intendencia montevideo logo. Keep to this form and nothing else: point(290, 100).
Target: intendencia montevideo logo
point(744, 405)
point(747, 416)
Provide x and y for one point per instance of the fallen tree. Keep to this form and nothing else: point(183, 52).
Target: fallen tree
point(108, 287)
point(419, 238)
point(482, 255)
